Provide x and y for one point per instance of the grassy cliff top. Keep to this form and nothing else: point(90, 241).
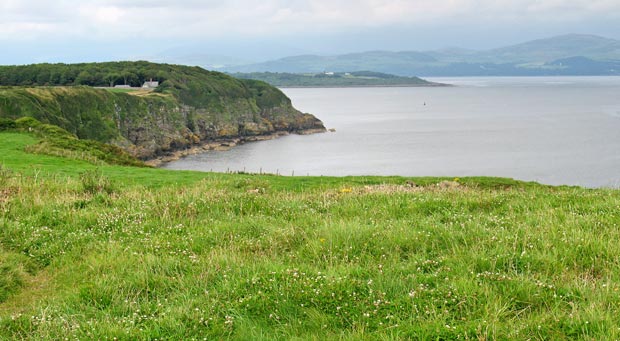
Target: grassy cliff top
point(193, 86)
point(103, 252)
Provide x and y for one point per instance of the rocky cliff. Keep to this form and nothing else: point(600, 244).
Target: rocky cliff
point(186, 111)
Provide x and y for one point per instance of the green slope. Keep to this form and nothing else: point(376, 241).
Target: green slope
point(138, 253)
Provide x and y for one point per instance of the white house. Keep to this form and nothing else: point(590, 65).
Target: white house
point(150, 84)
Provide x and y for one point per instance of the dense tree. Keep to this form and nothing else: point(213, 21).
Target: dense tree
point(85, 78)
point(92, 74)
point(112, 78)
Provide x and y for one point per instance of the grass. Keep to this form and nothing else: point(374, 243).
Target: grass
point(123, 90)
point(55, 141)
point(105, 252)
point(131, 91)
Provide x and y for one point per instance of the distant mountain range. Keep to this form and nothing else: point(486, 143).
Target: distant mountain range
point(571, 54)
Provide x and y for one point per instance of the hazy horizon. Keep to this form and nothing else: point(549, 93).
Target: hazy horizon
point(35, 31)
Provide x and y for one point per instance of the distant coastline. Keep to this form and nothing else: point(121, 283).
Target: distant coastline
point(433, 85)
point(336, 79)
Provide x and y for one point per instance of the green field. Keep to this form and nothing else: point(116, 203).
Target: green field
point(102, 252)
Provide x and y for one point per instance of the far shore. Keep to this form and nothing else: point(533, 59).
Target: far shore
point(433, 85)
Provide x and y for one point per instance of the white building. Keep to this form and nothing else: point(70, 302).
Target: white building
point(150, 84)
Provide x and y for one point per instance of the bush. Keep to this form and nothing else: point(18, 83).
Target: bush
point(94, 182)
point(27, 123)
point(52, 131)
point(6, 124)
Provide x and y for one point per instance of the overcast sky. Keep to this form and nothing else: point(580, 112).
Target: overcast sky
point(97, 30)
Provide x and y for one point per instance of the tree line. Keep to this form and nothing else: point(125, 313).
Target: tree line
point(192, 85)
point(91, 74)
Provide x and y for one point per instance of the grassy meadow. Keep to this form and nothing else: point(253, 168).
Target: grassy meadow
point(94, 251)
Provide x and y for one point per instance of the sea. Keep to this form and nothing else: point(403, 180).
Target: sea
point(552, 130)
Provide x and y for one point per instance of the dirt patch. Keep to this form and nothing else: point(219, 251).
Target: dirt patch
point(408, 187)
point(449, 185)
point(7, 193)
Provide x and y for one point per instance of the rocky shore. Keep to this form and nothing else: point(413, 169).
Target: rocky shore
point(224, 144)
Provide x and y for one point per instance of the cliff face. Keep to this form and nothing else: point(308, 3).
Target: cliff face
point(156, 123)
point(161, 127)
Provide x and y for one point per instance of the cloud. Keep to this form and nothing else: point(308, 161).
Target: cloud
point(21, 19)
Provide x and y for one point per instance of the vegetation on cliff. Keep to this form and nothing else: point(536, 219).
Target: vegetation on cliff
point(105, 252)
point(56, 141)
point(191, 104)
point(334, 79)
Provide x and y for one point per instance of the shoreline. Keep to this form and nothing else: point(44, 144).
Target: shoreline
point(436, 85)
point(224, 144)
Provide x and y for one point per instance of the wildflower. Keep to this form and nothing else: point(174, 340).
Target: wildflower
point(229, 320)
point(346, 190)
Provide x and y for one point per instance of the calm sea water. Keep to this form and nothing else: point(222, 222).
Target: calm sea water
point(555, 130)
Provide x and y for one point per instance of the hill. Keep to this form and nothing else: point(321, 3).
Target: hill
point(566, 46)
point(114, 252)
point(335, 79)
point(598, 55)
point(191, 105)
point(377, 61)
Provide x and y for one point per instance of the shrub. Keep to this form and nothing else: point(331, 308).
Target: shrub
point(27, 123)
point(6, 124)
point(94, 182)
point(52, 131)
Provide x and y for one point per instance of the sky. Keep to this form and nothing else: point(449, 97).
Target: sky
point(245, 31)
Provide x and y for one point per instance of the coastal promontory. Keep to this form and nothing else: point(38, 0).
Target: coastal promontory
point(149, 109)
